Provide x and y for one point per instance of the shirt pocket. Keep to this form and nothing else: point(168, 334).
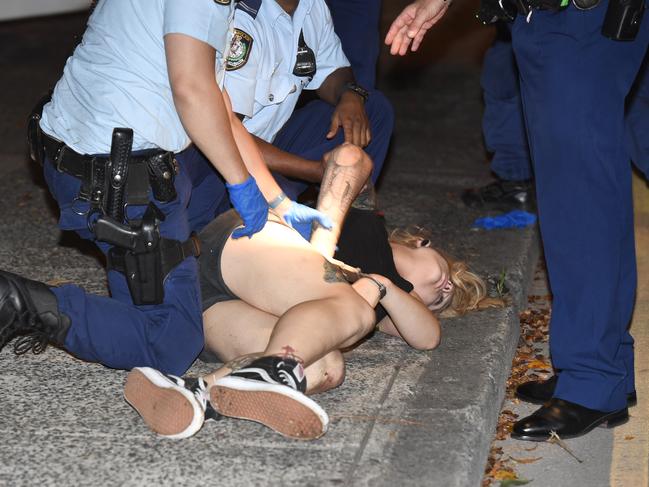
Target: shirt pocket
point(274, 90)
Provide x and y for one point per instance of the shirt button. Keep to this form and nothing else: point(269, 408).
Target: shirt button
point(271, 97)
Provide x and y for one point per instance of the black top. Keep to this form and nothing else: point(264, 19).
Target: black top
point(364, 243)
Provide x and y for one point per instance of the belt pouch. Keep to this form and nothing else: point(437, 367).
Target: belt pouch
point(622, 21)
point(161, 177)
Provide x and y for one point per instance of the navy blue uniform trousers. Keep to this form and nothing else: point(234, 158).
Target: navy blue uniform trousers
point(357, 24)
point(574, 83)
point(113, 331)
point(503, 125)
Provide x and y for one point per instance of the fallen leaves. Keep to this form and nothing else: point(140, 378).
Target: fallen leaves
point(525, 460)
point(528, 364)
point(506, 421)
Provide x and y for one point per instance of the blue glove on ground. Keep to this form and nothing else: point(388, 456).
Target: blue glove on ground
point(300, 217)
point(251, 206)
point(513, 219)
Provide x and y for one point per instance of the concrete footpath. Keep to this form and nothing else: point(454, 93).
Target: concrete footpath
point(401, 417)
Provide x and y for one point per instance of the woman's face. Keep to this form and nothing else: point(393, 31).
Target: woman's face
point(431, 277)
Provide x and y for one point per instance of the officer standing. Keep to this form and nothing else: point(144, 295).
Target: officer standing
point(574, 82)
point(115, 144)
point(503, 129)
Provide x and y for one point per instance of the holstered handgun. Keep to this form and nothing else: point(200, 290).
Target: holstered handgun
point(137, 253)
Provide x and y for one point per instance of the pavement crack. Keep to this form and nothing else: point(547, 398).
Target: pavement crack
point(370, 429)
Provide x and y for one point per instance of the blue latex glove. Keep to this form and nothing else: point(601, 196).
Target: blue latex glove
point(513, 219)
point(300, 217)
point(251, 206)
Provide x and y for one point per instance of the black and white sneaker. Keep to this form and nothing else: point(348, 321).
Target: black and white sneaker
point(270, 391)
point(171, 406)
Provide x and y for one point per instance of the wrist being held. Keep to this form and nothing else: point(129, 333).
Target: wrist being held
point(377, 280)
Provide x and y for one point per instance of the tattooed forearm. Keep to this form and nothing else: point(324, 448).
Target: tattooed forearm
point(333, 273)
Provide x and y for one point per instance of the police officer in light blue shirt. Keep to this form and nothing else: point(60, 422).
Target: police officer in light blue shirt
point(115, 143)
point(279, 49)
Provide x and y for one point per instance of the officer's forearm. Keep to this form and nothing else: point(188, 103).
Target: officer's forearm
point(288, 164)
point(200, 104)
point(334, 86)
point(252, 156)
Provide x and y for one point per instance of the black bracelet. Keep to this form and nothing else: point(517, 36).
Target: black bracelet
point(382, 289)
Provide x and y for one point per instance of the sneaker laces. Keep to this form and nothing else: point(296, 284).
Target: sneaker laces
point(285, 376)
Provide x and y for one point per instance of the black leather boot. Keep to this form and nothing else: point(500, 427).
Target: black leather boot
point(29, 309)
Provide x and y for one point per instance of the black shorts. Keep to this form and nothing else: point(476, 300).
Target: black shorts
point(213, 238)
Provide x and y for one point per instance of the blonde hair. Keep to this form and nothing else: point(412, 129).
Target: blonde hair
point(469, 290)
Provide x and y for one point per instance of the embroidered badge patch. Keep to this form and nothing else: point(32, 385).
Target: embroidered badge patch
point(223, 2)
point(240, 48)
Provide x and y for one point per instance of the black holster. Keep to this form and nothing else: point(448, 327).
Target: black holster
point(109, 184)
point(142, 255)
point(34, 132)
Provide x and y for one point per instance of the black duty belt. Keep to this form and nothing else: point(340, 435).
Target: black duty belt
point(93, 171)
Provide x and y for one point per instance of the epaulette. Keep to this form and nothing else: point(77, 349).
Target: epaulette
point(251, 7)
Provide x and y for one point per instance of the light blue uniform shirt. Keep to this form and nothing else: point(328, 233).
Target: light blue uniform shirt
point(264, 88)
point(117, 76)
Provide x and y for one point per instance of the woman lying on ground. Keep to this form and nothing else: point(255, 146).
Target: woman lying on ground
point(278, 312)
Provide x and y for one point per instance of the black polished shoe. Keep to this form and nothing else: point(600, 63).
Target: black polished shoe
point(501, 194)
point(541, 391)
point(566, 419)
point(29, 309)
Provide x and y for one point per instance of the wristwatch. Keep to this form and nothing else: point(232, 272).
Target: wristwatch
point(358, 89)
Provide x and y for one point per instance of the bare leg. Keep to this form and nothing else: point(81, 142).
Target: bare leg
point(239, 333)
point(347, 170)
point(319, 311)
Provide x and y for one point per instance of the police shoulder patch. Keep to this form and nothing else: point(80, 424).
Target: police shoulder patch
point(240, 48)
point(223, 2)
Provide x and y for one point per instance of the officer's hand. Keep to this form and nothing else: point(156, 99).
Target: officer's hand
point(412, 24)
point(301, 217)
point(350, 114)
point(251, 206)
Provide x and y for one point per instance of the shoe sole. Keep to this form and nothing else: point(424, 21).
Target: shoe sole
point(616, 418)
point(284, 410)
point(168, 409)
